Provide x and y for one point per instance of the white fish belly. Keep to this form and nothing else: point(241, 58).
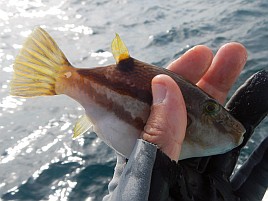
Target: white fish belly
point(115, 132)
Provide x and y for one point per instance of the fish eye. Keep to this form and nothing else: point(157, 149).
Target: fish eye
point(211, 107)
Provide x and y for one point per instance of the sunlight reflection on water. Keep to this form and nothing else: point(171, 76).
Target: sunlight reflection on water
point(38, 155)
point(31, 148)
point(10, 102)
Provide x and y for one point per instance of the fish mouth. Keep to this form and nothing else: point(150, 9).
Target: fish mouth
point(215, 115)
point(228, 124)
point(234, 127)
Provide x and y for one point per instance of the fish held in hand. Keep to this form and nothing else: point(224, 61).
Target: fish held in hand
point(117, 98)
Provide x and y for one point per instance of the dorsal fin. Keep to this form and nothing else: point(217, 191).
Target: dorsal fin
point(119, 49)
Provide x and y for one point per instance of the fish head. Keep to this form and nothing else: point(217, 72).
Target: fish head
point(211, 129)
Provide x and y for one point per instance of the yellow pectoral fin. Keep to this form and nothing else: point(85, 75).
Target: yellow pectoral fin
point(82, 126)
point(119, 49)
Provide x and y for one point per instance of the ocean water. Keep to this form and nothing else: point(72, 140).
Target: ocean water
point(38, 158)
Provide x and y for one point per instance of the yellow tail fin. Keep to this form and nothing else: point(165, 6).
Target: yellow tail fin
point(37, 66)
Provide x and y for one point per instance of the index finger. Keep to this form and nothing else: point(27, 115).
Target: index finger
point(193, 64)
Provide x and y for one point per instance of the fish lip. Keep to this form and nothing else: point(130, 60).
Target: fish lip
point(223, 121)
point(233, 126)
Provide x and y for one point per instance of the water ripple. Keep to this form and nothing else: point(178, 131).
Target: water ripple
point(37, 153)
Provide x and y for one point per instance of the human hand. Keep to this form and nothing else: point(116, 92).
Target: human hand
point(167, 122)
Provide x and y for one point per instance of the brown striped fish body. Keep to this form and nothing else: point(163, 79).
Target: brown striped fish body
point(117, 98)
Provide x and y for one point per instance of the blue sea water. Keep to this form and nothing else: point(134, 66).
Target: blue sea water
point(38, 158)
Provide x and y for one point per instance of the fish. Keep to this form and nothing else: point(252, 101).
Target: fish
point(117, 98)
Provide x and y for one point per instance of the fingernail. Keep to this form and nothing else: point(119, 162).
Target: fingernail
point(159, 93)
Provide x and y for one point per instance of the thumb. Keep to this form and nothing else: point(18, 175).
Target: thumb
point(167, 122)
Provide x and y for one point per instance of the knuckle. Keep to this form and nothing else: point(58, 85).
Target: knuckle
point(157, 122)
point(154, 127)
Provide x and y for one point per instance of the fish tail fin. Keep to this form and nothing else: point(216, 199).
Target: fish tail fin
point(37, 66)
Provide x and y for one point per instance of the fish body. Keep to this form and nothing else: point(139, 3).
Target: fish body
point(117, 98)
